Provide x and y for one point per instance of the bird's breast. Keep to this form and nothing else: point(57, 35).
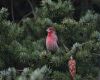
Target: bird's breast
point(50, 40)
point(51, 43)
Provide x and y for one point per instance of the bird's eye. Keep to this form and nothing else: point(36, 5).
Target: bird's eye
point(50, 29)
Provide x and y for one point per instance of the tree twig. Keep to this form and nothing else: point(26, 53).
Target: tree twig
point(12, 12)
point(31, 12)
point(32, 8)
point(25, 16)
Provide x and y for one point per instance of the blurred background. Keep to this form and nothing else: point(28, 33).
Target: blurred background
point(19, 8)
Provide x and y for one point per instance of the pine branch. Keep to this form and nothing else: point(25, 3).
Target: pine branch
point(66, 49)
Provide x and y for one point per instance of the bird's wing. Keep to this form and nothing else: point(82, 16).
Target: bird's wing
point(55, 37)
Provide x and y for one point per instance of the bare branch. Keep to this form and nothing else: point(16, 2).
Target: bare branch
point(12, 12)
point(32, 8)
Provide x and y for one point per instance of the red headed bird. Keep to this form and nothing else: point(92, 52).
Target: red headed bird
point(51, 40)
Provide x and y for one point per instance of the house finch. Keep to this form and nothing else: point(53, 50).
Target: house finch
point(51, 40)
point(72, 67)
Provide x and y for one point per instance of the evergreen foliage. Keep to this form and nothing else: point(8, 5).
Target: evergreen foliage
point(23, 45)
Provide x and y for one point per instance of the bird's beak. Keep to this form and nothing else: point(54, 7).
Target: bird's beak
point(48, 30)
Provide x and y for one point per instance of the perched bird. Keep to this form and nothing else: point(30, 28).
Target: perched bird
point(72, 67)
point(51, 40)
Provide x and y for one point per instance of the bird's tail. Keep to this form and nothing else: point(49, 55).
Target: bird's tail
point(71, 77)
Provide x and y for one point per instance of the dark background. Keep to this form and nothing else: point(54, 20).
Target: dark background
point(18, 8)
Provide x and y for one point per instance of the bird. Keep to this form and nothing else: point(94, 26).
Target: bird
point(51, 40)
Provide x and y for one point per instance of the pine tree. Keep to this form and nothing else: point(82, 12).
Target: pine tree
point(23, 44)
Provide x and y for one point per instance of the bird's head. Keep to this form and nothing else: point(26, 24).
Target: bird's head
point(51, 30)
